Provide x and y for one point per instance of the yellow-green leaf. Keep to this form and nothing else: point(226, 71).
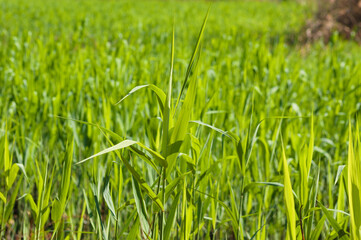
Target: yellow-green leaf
point(290, 203)
point(354, 187)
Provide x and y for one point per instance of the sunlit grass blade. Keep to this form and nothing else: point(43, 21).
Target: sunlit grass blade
point(215, 129)
point(191, 61)
point(161, 96)
point(354, 184)
point(125, 144)
point(109, 201)
point(289, 199)
point(168, 102)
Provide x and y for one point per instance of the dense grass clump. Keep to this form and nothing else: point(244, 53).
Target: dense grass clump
point(158, 120)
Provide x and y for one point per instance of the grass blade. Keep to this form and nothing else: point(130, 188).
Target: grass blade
point(125, 144)
point(354, 185)
point(191, 61)
point(141, 209)
point(290, 202)
point(340, 232)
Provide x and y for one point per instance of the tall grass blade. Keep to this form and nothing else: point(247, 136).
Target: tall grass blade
point(289, 199)
point(171, 216)
point(191, 61)
point(354, 185)
point(141, 209)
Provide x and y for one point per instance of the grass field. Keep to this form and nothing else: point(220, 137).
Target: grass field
point(154, 120)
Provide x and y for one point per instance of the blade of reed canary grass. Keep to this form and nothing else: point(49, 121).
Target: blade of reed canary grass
point(310, 148)
point(124, 144)
point(354, 184)
point(58, 207)
point(312, 202)
point(81, 222)
point(251, 144)
point(6, 159)
point(167, 109)
point(11, 203)
point(165, 138)
point(340, 232)
point(171, 216)
point(318, 229)
point(99, 218)
point(141, 209)
point(89, 210)
point(256, 233)
point(181, 124)
point(12, 174)
point(189, 221)
point(109, 201)
point(341, 200)
point(191, 61)
point(134, 231)
point(214, 128)
point(32, 204)
point(289, 199)
point(161, 96)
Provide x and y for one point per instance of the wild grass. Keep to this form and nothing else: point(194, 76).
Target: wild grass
point(160, 120)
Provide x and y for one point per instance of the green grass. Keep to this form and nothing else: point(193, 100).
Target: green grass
point(154, 120)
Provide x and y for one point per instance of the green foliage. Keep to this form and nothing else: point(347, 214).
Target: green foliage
point(175, 120)
point(354, 184)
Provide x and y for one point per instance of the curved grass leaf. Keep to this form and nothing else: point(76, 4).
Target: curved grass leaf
point(125, 144)
point(215, 129)
point(160, 94)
